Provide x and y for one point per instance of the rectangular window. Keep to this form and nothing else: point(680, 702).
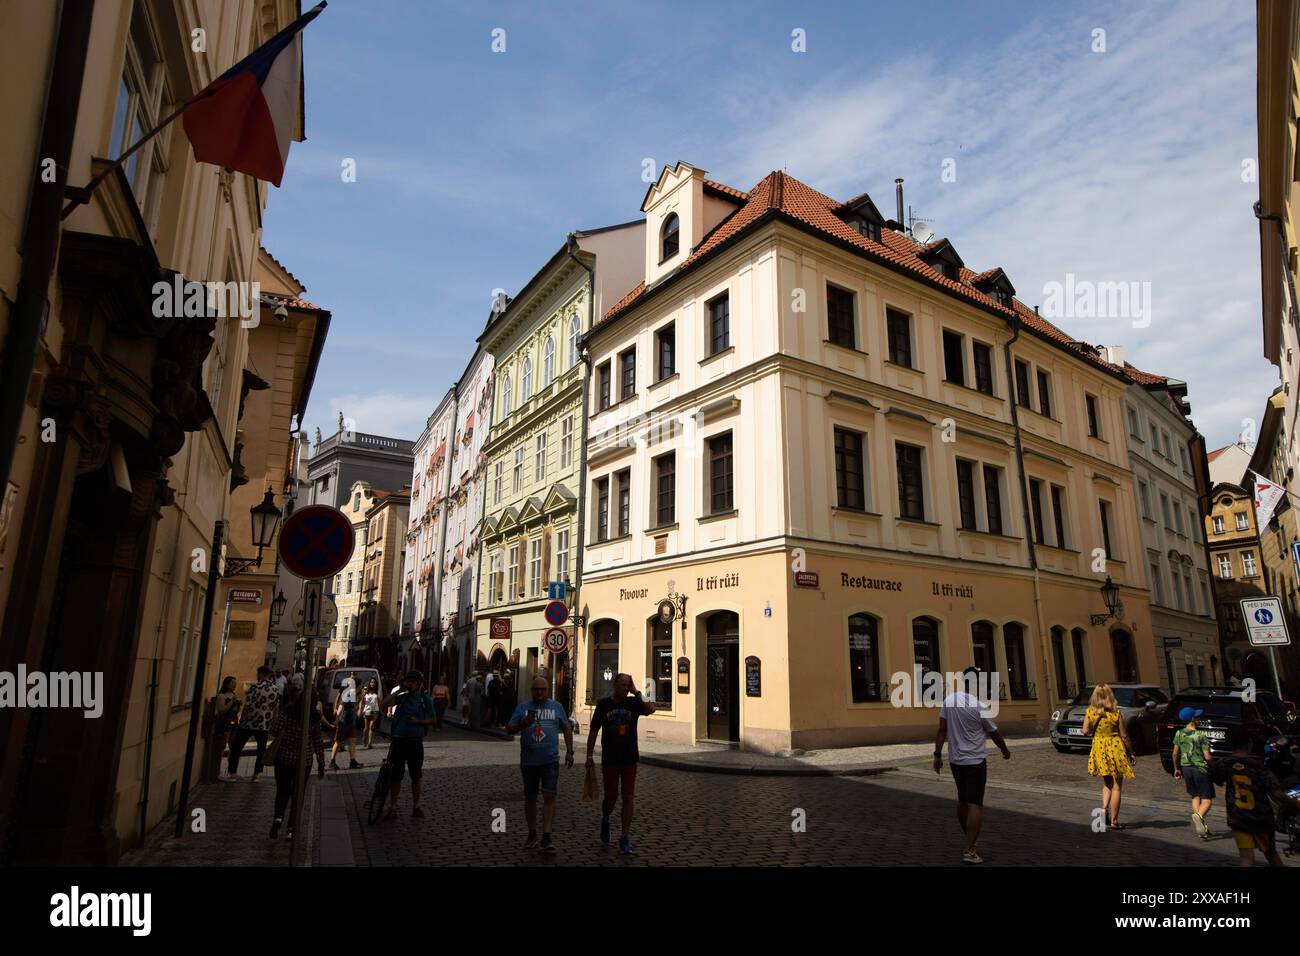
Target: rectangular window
point(1225, 566)
point(1242, 522)
point(899, 330)
point(562, 555)
point(1094, 425)
point(850, 491)
point(349, 590)
point(721, 490)
point(602, 387)
point(1182, 456)
point(1103, 509)
point(535, 567)
point(1157, 579)
point(1178, 519)
point(519, 469)
point(1036, 506)
point(496, 483)
point(1217, 521)
point(1164, 510)
point(623, 481)
point(539, 458)
point(983, 356)
point(602, 509)
point(719, 310)
point(515, 572)
point(666, 353)
point(1022, 384)
point(911, 489)
point(187, 658)
point(1044, 394)
point(566, 442)
point(1248, 564)
point(665, 490)
point(839, 317)
point(1155, 436)
point(1144, 496)
point(954, 358)
point(1134, 428)
point(966, 493)
point(1058, 516)
point(993, 498)
point(627, 374)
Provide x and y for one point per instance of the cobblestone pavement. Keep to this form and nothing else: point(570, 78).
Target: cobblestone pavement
point(904, 817)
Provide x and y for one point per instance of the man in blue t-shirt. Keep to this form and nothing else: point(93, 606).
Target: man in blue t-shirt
point(539, 723)
point(413, 712)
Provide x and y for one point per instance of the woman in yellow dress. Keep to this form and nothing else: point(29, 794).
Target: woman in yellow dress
point(1111, 755)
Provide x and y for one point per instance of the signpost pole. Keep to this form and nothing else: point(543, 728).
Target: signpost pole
point(1272, 660)
point(304, 757)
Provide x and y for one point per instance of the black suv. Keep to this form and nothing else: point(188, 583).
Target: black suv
point(1264, 717)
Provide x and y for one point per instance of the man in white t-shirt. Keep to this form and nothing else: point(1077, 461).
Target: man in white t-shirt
point(963, 726)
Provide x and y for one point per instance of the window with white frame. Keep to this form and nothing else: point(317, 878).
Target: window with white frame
point(1225, 566)
point(1217, 523)
point(526, 382)
point(562, 555)
point(506, 392)
point(575, 330)
point(496, 483)
point(535, 567)
point(1248, 564)
point(142, 100)
point(566, 442)
point(512, 572)
point(548, 362)
point(539, 458)
point(519, 469)
point(187, 658)
point(1242, 521)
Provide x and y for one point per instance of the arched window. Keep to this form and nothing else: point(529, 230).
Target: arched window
point(925, 644)
point(1121, 644)
point(1058, 663)
point(604, 660)
point(548, 362)
point(506, 393)
point(981, 642)
point(670, 238)
point(575, 329)
point(526, 385)
point(864, 658)
point(1013, 646)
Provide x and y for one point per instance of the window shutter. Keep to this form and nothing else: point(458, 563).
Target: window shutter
point(523, 564)
point(546, 556)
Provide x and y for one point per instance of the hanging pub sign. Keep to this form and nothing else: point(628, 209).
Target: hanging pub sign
point(753, 677)
point(683, 675)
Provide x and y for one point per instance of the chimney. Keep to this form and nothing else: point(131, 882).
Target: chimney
point(898, 196)
point(1114, 354)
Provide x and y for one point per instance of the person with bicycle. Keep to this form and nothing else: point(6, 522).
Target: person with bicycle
point(413, 713)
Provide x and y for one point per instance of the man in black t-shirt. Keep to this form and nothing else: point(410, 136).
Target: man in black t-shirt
point(616, 717)
point(1248, 786)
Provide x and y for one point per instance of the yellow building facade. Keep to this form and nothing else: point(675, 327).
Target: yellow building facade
point(841, 456)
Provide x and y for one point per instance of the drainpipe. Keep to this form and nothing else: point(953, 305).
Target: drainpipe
point(577, 544)
point(1045, 684)
point(40, 242)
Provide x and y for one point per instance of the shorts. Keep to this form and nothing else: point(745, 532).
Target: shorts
point(1198, 783)
point(408, 751)
point(619, 773)
point(1246, 840)
point(970, 779)
point(545, 777)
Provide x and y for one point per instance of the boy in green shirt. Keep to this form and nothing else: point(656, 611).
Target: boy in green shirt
point(1192, 765)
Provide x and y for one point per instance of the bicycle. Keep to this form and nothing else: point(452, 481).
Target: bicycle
point(383, 787)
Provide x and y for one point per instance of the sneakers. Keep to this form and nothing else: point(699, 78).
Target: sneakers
point(1198, 824)
point(604, 830)
point(333, 765)
point(624, 847)
point(547, 845)
point(353, 765)
point(227, 777)
point(970, 856)
point(275, 827)
point(531, 842)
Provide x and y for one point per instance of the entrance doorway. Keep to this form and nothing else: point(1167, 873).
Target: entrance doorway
point(722, 662)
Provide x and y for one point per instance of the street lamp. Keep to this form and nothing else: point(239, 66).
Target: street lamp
point(277, 608)
point(1114, 606)
point(265, 518)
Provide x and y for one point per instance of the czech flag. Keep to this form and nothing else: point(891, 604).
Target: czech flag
point(244, 119)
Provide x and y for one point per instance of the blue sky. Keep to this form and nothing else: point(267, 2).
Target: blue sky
point(1123, 165)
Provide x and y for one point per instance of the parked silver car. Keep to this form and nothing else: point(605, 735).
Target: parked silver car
point(1140, 706)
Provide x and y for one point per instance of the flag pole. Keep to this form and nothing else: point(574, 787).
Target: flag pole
point(80, 195)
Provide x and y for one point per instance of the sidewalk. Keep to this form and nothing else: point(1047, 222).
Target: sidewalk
point(705, 757)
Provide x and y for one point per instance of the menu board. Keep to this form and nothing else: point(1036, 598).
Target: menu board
point(753, 677)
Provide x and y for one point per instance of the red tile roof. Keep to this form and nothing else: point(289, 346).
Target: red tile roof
point(1216, 453)
point(1144, 378)
point(779, 193)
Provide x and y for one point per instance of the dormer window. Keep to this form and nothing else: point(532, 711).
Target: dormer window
point(997, 286)
point(943, 259)
point(670, 238)
point(862, 215)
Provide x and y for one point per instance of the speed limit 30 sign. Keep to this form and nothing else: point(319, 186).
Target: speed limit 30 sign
point(556, 640)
